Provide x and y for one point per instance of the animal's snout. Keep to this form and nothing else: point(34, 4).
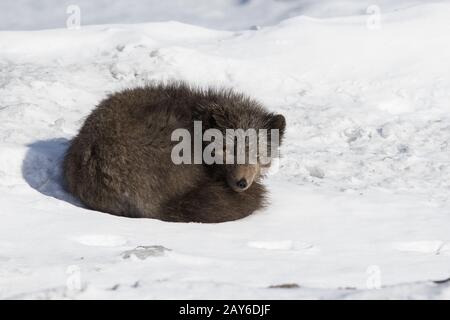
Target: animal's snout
point(242, 184)
point(241, 177)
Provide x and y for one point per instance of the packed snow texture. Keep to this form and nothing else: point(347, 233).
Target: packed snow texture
point(359, 202)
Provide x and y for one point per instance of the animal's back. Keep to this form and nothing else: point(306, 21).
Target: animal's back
point(120, 160)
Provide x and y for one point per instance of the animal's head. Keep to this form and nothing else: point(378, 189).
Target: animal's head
point(251, 140)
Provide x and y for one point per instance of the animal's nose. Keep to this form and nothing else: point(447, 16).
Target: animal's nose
point(242, 183)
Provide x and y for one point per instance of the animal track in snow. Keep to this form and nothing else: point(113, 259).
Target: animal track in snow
point(144, 252)
point(316, 172)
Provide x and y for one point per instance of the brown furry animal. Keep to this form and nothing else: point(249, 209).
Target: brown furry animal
point(120, 162)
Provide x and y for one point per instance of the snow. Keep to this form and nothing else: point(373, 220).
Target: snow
point(216, 14)
point(360, 200)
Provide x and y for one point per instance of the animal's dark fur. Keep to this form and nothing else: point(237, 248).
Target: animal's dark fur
point(120, 162)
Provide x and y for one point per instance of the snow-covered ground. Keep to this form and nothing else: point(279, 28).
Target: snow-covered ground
point(217, 14)
point(360, 203)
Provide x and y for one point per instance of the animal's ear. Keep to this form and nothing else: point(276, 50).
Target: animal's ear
point(277, 121)
point(209, 114)
point(218, 117)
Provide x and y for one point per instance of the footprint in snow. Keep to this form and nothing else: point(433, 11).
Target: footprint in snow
point(316, 172)
point(285, 286)
point(144, 252)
